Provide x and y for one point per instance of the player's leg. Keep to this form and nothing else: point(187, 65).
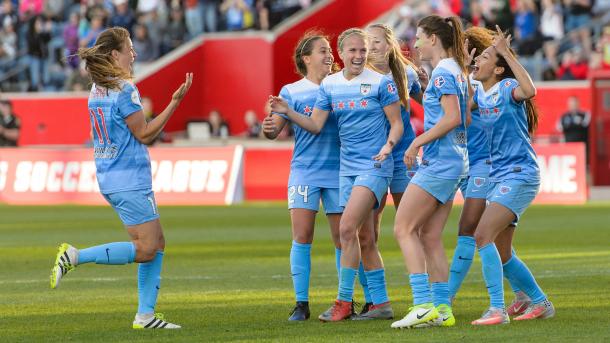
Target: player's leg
point(416, 207)
point(303, 202)
point(333, 210)
point(504, 244)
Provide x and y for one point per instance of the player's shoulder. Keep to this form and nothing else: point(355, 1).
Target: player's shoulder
point(508, 83)
point(447, 66)
point(411, 72)
point(372, 76)
point(302, 86)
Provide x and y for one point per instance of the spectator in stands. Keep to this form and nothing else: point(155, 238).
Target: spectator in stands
point(8, 46)
point(38, 37)
point(210, 14)
point(9, 124)
point(263, 8)
point(218, 126)
point(574, 65)
point(78, 80)
point(30, 8)
point(574, 124)
point(123, 16)
point(8, 13)
point(92, 30)
point(601, 58)
point(237, 14)
point(70, 35)
point(551, 27)
point(175, 32)
point(578, 17)
point(526, 28)
point(147, 49)
point(193, 15)
point(253, 125)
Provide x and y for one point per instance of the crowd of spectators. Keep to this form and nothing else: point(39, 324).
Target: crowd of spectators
point(38, 38)
point(556, 39)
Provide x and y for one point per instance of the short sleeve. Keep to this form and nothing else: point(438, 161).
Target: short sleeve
point(129, 100)
point(508, 88)
point(323, 101)
point(285, 94)
point(444, 83)
point(387, 92)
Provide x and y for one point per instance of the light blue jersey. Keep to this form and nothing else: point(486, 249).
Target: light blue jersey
point(478, 142)
point(413, 87)
point(122, 161)
point(315, 160)
point(512, 154)
point(446, 157)
point(358, 106)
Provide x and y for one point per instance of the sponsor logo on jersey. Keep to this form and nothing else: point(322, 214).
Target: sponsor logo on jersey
point(365, 88)
point(439, 82)
point(391, 88)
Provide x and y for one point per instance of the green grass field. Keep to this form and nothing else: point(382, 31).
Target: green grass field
point(226, 278)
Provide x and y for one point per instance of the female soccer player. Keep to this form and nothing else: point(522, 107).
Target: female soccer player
point(314, 170)
point(424, 208)
point(474, 188)
point(386, 57)
point(504, 102)
point(361, 100)
point(123, 171)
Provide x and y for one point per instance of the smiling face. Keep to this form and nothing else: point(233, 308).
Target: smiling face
point(321, 59)
point(353, 54)
point(378, 44)
point(485, 66)
point(424, 44)
point(125, 57)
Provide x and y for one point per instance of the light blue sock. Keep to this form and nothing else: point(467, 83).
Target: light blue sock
point(492, 273)
point(110, 253)
point(338, 262)
point(511, 279)
point(377, 286)
point(523, 277)
point(149, 282)
point(300, 267)
point(440, 293)
point(420, 288)
point(462, 260)
point(362, 276)
point(346, 284)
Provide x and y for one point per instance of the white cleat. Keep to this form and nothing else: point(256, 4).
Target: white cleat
point(65, 261)
point(156, 321)
point(417, 315)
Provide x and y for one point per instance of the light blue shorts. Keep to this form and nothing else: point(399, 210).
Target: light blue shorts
point(134, 207)
point(308, 197)
point(516, 195)
point(442, 189)
point(474, 187)
point(377, 184)
point(402, 177)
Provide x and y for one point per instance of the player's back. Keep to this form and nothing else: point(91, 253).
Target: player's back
point(122, 162)
point(315, 160)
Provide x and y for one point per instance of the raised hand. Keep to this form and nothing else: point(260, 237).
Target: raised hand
point(502, 42)
point(468, 55)
point(278, 104)
point(181, 91)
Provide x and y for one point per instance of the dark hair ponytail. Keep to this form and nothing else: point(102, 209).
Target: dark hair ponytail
point(449, 31)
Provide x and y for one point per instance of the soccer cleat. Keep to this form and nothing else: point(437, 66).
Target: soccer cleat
point(381, 311)
point(65, 261)
point(445, 317)
point(519, 305)
point(366, 308)
point(339, 311)
point(541, 310)
point(417, 315)
point(300, 311)
point(153, 322)
point(493, 316)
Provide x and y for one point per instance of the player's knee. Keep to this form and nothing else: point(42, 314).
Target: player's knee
point(466, 228)
point(481, 239)
point(146, 253)
point(303, 237)
point(403, 230)
point(347, 233)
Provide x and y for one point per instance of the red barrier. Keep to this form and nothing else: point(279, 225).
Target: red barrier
point(181, 176)
point(562, 169)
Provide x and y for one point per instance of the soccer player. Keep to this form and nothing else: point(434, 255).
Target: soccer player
point(123, 171)
point(474, 188)
point(385, 56)
point(426, 204)
point(505, 104)
point(363, 101)
point(314, 170)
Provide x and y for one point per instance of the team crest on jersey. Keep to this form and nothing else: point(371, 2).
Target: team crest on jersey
point(507, 83)
point(135, 98)
point(365, 88)
point(391, 88)
point(479, 181)
point(410, 174)
point(494, 97)
point(439, 82)
point(308, 109)
point(504, 189)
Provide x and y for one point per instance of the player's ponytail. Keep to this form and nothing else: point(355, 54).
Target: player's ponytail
point(449, 31)
point(102, 68)
point(397, 63)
